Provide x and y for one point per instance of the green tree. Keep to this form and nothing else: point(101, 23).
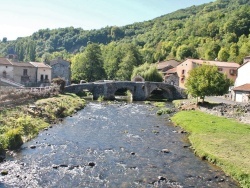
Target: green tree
point(212, 51)
point(112, 57)
point(126, 67)
point(206, 80)
point(223, 54)
point(149, 72)
point(183, 52)
point(88, 65)
point(234, 52)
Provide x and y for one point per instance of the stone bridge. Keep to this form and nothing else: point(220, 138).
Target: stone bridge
point(140, 90)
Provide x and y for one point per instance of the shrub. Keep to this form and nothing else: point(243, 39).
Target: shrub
point(164, 111)
point(61, 82)
point(13, 139)
point(100, 98)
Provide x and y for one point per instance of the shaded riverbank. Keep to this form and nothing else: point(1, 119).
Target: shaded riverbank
point(114, 145)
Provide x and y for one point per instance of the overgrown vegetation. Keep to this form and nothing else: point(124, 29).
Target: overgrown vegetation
point(221, 141)
point(100, 98)
point(24, 122)
point(164, 111)
point(149, 72)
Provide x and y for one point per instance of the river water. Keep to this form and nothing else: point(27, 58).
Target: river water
point(111, 145)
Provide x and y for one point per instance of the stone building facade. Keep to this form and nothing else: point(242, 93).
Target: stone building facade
point(61, 69)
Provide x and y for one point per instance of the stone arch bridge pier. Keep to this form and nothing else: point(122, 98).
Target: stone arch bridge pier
point(140, 90)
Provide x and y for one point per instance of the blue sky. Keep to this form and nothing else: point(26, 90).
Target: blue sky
point(19, 18)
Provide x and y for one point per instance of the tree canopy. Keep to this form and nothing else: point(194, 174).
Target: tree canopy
point(88, 65)
point(149, 72)
point(206, 80)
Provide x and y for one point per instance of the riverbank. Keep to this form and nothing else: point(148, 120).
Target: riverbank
point(22, 123)
point(222, 141)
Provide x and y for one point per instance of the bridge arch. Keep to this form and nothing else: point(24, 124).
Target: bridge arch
point(123, 91)
point(163, 91)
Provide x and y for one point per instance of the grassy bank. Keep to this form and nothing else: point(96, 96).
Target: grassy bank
point(221, 141)
point(24, 122)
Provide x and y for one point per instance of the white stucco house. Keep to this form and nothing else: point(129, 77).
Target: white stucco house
point(43, 73)
point(241, 89)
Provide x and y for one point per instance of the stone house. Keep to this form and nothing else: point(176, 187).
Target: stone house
point(24, 73)
point(15, 73)
point(61, 69)
point(43, 73)
point(228, 68)
point(164, 66)
point(6, 68)
point(171, 77)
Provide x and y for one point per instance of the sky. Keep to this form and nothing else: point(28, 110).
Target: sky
point(20, 18)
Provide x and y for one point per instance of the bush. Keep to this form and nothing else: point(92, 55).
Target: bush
point(13, 139)
point(164, 111)
point(61, 82)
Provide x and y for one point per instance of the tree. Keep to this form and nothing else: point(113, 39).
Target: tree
point(183, 52)
point(149, 72)
point(223, 54)
point(206, 80)
point(126, 67)
point(89, 64)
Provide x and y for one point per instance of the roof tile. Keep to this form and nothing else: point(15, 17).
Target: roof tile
point(245, 87)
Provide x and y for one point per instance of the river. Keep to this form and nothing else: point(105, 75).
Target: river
point(111, 145)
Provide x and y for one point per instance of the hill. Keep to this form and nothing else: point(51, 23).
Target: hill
point(218, 29)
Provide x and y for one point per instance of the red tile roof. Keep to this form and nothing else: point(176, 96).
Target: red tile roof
point(40, 65)
point(245, 87)
point(216, 63)
point(164, 64)
point(4, 61)
point(22, 64)
point(171, 71)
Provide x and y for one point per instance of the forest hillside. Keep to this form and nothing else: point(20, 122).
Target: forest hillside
point(218, 29)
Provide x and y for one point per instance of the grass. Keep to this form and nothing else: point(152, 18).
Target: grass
point(23, 123)
point(159, 104)
point(221, 141)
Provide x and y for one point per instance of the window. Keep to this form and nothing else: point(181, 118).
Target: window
point(233, 72)
point(182, 80)
point(220, 69)
point(25, 72)
point(4, 74)
point(41, 77)
point(46, 77)
point(183, 71)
